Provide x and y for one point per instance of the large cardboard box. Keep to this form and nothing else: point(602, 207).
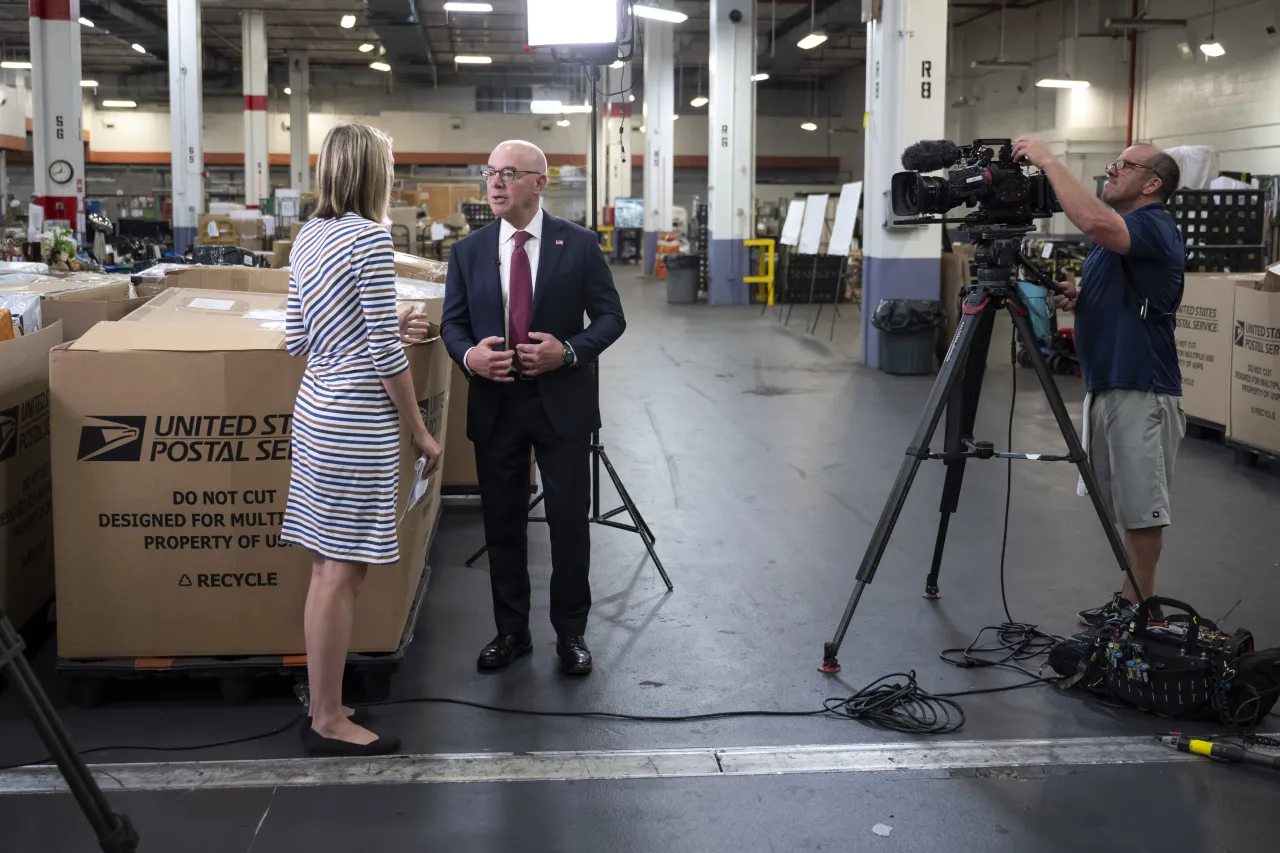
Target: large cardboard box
point(26, 509)
point(1204, 345)
point(171, 473)
point(1255, 363)
point(459, 468)
point(955, 275)
point(81, 301)
point(280, 250)
point(249, 279)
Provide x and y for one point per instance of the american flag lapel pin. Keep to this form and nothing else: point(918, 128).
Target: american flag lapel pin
point(559, 242)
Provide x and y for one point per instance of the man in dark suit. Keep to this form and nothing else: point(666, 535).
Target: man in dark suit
point(514, 301)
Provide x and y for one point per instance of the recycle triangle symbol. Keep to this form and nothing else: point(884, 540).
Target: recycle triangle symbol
point(185, 580)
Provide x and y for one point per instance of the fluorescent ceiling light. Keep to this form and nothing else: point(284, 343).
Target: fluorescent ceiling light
point(545, 107)
point(699, 101)
point(468, 7)
point(808, 125)
point(365, 48)
point(85, 22)
point(473, 60)
point(1145, 24)
point(642, 128)
point(631, 99)
point(756, 78)
point(618, 64)
point(139, 48)
point(997, 64)
point(123, 105)
point(575, 109)
point(1051, 83)
point(675, 118)
point(15, 64)
point(379, 66)
point(564, 122)
point(347, 22)
point(811, 41)
point(288, 91)
point(666, 15)
point(88, 84)
point(1212, 48)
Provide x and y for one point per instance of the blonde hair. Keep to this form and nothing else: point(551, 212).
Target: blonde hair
point(355, 173)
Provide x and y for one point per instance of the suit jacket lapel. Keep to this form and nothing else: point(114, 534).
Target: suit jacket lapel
point(548, 254)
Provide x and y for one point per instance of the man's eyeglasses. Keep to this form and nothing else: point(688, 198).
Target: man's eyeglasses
point(508, 174)
point(1120, 165)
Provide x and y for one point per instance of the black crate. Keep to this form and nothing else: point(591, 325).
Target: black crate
point(812, 277)
point(1223, 230)
point(478, 215)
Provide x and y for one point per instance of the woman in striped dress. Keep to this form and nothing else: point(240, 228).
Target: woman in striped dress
point(346, 425)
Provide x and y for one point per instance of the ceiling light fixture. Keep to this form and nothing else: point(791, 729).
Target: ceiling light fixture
point(618, 64)
point(811, 41)
point(665, 15)
point(88, 84)
point(85, 22)
point(699, 101)
point(1054, 83)
point(564, 122)
point(473, 60)
point(545, 107)
point(347, 22)
point(379, 66)
point(762, 76)
point(642, 128)
point(808, 125)
point(120, 105)
point(575, 109)
point(139, 48)
point(675, 118)
point(365, 48)
point(1212, 48)
point(631, 99)
point(288, 91)
point(468, 7)
point(15, 64)
point(998, 65)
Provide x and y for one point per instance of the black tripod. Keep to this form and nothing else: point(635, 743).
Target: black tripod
point(598, 454)
point(115, 833)
point(997, 254)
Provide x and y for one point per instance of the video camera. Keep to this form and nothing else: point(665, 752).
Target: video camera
point(1002, 191)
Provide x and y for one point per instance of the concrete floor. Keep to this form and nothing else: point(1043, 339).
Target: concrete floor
point(761, 456)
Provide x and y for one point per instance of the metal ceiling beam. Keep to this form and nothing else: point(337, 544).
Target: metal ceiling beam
point(138, 21)
point(404, 36)
point(787, 57)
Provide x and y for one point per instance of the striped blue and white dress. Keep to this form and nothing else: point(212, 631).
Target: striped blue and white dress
point(346, 432)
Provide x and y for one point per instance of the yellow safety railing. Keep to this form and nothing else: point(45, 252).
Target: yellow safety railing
point(764, 269)
point(605, 231)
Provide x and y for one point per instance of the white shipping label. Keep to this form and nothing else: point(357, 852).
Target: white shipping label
point(211, 304)
point(265, 314)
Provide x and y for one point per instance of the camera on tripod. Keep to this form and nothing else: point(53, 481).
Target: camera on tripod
point(1001, 190)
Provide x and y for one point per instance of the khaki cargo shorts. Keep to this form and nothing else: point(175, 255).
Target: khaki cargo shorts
point(1133, 441)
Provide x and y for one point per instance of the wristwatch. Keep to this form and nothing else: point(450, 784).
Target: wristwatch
point(570, 358)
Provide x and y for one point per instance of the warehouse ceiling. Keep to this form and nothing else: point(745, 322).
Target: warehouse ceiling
point(420, 40)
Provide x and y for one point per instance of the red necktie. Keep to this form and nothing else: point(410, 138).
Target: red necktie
point(520, 299)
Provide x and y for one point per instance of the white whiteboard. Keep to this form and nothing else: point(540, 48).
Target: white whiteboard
point(791, 225)
point(815, 217)
point(846, 216)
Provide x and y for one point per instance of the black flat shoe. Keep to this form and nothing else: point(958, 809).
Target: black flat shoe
point(504, 649)
point(575, 657)
point(360, 715)
point(318, 744)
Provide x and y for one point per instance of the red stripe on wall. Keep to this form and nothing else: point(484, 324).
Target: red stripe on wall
point(255, 103)
point(13, 143)
point(55, 10)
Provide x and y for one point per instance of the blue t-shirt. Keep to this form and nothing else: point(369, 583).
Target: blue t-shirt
point(1116, 346)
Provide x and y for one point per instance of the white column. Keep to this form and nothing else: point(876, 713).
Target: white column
point(731, 150)
point(56, 139)
point(299, 114)
point(257, 162)
point(906, 103)
point(186, 119)
point(659, 135)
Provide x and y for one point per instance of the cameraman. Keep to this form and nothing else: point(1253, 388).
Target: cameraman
point(1126, 306)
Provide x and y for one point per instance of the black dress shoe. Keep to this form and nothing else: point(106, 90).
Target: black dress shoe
point(575, 657)
point(318, 744)
point(504, 649)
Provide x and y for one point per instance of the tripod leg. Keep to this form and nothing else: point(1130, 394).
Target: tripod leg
point(646, 535)
point(1023, 325)
point(478, 554)
point(962, 410)
point(979, 303)
point(115, 833)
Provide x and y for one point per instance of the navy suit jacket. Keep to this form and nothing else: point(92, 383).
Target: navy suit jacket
point(573, 279)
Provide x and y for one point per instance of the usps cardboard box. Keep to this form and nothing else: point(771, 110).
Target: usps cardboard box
point(171, 462)
point(81, 301)
point(1203, 336)
point(1255, 363)
point(26, 486)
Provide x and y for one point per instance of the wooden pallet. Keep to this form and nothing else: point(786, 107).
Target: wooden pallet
point(1204, 430)
point(1254, 457)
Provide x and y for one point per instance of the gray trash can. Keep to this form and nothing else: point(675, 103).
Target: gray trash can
point(908, 335)
point(682, 279)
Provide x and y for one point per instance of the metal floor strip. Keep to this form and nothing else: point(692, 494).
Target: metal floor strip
point(610, 764)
